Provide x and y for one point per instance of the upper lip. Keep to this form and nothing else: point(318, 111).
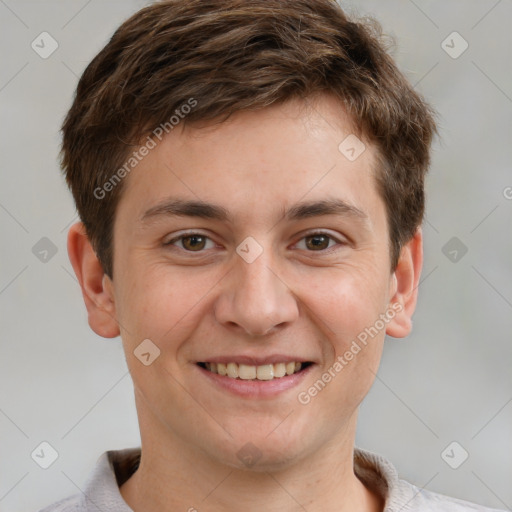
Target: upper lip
point(255, 360)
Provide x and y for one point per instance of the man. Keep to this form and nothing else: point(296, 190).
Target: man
point(249, 177)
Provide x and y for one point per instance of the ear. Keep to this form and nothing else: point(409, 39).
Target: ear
point(406, 278)
point(97, 287)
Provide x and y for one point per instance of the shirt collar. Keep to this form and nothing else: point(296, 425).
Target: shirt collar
point(116, 466)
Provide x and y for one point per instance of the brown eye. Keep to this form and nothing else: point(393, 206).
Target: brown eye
point(191, 242)
point(317, 242)
point(194, 242)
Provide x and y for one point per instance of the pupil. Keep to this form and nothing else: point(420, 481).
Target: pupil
point(193, 242)
point(318, 241)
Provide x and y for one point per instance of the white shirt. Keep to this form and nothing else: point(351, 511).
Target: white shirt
point(113, 468)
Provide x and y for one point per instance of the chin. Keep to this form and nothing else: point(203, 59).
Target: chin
point(251, 458)
point(261, 452)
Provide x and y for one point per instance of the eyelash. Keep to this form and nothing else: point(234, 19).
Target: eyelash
point(312, 234)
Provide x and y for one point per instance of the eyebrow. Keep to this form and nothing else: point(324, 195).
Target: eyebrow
point(185, 208)
point(299, 211)
point(324, 207)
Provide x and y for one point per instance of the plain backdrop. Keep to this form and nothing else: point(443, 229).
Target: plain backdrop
point(450, 381)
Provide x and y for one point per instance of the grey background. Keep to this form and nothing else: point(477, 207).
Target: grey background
point(449, 381)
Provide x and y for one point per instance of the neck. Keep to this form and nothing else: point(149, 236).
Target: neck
point(175, 476)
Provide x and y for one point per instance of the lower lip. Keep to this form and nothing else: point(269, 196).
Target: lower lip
point(256, 388)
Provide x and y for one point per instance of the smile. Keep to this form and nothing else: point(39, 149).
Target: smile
point(249, 372)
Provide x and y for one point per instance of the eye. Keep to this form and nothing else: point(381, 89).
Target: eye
point(192, 242)
point(318, 242)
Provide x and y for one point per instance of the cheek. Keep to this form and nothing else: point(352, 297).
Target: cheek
point(156, 300)
point(343, 302)
point(352, 347)
point(346, 305)
point(168, 305)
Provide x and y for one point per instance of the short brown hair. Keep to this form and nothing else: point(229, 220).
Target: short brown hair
point(234, 55)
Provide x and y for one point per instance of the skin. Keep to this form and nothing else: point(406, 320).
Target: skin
point(294, 299)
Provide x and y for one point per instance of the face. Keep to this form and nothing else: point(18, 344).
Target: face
point(248, 246)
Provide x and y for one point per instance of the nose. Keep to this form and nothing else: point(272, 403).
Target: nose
point(254, 299)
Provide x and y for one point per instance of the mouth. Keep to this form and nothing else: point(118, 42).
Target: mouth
point(264, 372)
point(251, 378)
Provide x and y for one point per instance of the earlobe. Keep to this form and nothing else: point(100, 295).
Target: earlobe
point(405, 290)
point(97, 287)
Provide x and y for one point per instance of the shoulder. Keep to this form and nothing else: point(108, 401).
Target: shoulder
point(70, 504)
point(422, 500)
point(101, 491)
point(378, 474)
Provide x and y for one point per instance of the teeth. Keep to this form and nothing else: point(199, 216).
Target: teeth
point(265, 372)
point(248, 372)
point(279, 370)
point(232, 370)
point(290, 368)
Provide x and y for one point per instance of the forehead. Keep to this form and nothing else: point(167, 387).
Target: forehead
point(256, 164)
